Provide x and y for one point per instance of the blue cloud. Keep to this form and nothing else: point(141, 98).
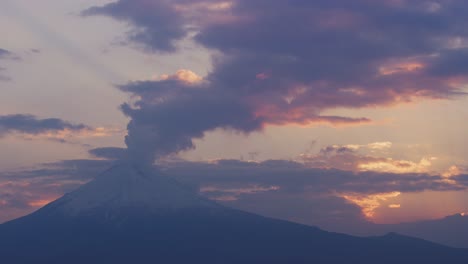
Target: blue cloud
point(29, 124)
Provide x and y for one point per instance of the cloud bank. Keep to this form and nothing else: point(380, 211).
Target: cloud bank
point(276, 188)
point(364, 158)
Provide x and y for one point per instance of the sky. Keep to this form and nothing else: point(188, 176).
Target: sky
point(320, 112)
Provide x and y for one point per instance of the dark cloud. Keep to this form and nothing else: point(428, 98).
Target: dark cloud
point(110, 153)
point(29, 124)
point(335, 149)
point(296, 177)
point(8, 55)
point(166, 23)
point(292, 191)
point(452, 63)
point(18, 201)
point(463, 179)
point(325, 211)
point(4, 53)
point(282, 62)
point(171, 113)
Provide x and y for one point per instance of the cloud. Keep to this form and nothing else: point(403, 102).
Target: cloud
point(5, 55)
point(30, 127)
point(380, 145)
point(366, 157)
point(166, 22)
point(109, 153)
point(325, 211)
point(280, 63)
point(329, 198)
point(370, 203)
point(395, 166)
point(29, 124)
point(183, 75)
point(170, 113)
point(8, 55)
point(455, 170)
point(450, 62)
point(291, 177)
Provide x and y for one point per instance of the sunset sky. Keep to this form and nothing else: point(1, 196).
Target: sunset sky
point(312, 111)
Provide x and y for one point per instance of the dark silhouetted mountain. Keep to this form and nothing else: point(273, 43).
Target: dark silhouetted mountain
point(129, 215)
point(451, 230)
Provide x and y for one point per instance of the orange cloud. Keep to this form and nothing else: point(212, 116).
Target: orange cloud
point(380, 145)
point(183, 75)
point(353, 157)
point(69, 134)
point(204, 6)
point(274, 115)
point(370, 203)
point(400, 68)
point(395, 166)
point(452, 171)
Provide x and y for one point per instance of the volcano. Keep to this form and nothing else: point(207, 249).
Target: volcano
point(134, 215)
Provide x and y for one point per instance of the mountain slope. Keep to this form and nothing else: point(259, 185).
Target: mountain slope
point(451, 230)
point(129, 215)
point(128, 186)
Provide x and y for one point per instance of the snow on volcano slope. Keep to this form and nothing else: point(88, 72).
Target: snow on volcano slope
point(126, 186)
